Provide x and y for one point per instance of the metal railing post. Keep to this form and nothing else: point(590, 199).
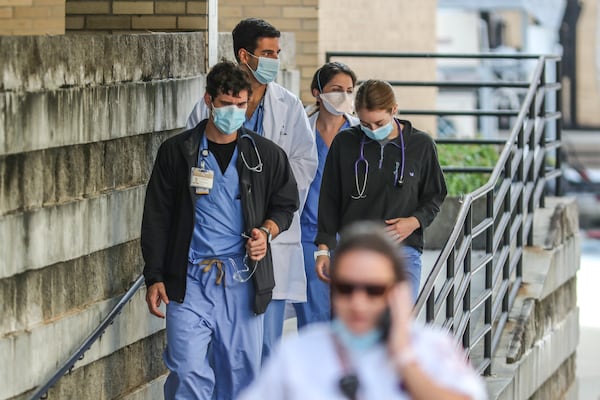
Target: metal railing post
point(559, 106)
point(542, 117)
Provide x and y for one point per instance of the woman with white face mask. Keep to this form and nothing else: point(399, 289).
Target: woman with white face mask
point(333, 88)
point(381, 170)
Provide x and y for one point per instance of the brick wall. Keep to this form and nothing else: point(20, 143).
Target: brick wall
point(399, 26)
point(297, 16)
point(32, 17)
point(143, 15)
point(588, 76)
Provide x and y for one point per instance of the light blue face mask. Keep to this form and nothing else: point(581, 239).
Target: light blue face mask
point(352, 340)
point(267, 69)
point(379, 133)
point(228, 119)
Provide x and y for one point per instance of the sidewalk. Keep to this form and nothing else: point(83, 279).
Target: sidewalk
point(588, 352)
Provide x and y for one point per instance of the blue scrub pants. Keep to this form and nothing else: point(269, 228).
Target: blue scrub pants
point(317, 307)
point(412, 257)
point(219, 317)
point(273, 327)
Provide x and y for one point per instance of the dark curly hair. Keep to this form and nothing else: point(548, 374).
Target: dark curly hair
point(248, 31)
point(228, 78)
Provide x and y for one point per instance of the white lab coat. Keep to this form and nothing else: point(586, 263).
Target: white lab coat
point(286, 124)
point(309, 367)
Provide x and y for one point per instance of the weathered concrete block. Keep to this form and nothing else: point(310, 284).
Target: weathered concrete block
point(538, 317)
point(556, 222)
point(36, 239)
point(542, 332)
point(35, 121)
point(559, 384)
point(33, 63)
point(43, 295)
point(546, 270)
point(523, 378)
point(33, 359)
point(151, 390)
point(50, 177)
point(119, 373)
point(523, 332)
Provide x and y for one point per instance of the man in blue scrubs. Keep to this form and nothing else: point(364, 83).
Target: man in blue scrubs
point(276, 114)
point(218, 195)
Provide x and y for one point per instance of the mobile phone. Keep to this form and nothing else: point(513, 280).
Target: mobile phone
point(384, 324)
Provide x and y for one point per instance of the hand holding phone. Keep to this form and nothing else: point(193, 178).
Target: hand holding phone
point(400, 318)
point(384, 323)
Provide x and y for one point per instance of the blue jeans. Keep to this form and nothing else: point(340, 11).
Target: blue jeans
point(317, 307)
point(412, 258)
point(214, 339)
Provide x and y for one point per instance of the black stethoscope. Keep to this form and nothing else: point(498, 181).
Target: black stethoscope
point(398, 175)
point(257, 168)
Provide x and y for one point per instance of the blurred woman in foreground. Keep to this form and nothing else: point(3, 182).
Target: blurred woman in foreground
point(371, 349)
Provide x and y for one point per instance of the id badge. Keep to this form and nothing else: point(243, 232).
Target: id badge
point(202, 180)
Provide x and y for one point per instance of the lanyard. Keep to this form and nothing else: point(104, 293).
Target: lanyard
point(348, 383)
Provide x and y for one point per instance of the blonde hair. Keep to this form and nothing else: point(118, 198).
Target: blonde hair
point(375, 95)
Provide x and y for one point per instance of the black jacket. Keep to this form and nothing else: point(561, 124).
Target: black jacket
point(168, 220)
point(421, 194)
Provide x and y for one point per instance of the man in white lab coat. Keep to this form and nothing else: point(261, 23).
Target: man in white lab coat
point(278, 115)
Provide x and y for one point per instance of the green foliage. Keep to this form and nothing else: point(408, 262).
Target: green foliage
point(457, 155)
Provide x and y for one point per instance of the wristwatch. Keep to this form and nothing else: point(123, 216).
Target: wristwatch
point(268, 232)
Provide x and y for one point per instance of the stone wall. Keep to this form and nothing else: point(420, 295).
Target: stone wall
point(81, 119)
point(536, 356)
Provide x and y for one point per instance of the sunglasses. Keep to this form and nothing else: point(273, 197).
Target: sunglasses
point(347, 288)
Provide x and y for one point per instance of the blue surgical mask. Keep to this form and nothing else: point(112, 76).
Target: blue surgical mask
point(379, 133)
point(228, 119)
point(267, 69)
point(353, 341)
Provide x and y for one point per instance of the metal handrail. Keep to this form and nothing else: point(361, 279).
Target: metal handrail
point(481, 56)
point(67, 366)
point(497, 305)
point(513, 190)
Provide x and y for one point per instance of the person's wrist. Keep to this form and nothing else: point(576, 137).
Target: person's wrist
point(322, 252)
point(404, 358)
point(267, 232)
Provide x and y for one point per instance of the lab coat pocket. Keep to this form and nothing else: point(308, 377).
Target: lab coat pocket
point(284, 139)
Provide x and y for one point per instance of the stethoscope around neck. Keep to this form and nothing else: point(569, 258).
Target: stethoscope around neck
point(258, 168)
point(259, 164)
point(398, 175)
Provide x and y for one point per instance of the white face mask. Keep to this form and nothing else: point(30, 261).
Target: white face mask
point(338, 103)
